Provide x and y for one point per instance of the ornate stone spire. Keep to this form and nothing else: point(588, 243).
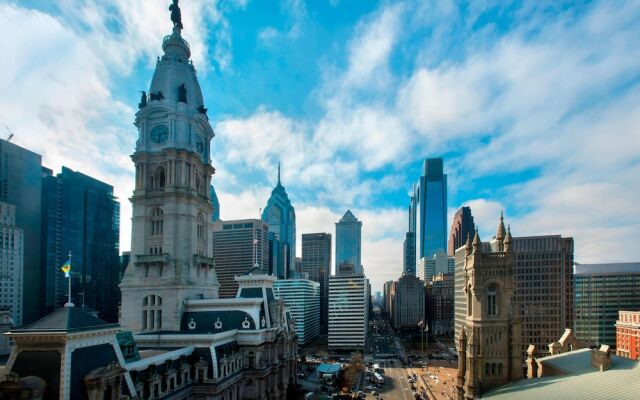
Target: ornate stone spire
point(508, 240)
point(467, 246)
point(501, 231)
point(477, 244)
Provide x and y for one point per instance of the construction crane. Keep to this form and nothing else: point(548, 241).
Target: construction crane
point(6, 127)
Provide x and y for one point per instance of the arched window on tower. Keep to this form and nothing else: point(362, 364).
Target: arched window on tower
point(151, 313)
point(160, 177)
point(492, 300)
point(200, 229)
point(157, 222)
point(198, 184)
point(469, 301)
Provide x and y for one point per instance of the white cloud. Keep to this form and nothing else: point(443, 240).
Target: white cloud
point(296, 12)
point(371, 46)
point(557, 95)
point(58, 74)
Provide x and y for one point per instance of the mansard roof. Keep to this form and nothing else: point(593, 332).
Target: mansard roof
point(216, 321)
point(67, 319)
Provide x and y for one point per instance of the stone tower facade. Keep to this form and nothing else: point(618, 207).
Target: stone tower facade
point(171, 255)
point(490, 341)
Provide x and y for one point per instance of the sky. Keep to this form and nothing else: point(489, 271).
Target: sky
point(534, 106)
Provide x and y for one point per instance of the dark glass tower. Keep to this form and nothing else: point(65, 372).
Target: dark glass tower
point(348, 245)
point(20, 185)
point(461, 227)
point(215, 216)
point(409, 253)
point(428, 210)
point(81, 216)
point(316, 263)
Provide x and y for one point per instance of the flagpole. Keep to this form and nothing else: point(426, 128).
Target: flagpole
point(69, 303)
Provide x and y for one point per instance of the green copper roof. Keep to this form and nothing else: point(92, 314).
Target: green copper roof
point(621, 382)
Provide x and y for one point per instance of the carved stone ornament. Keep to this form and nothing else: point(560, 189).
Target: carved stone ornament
point(263, 322)
point(246, 324)
point(192, 324)
point(218, 324)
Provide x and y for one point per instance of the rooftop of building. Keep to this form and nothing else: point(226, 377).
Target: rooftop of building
point(582, 381)
point(608, 268)
point(348, 217)
point(66, 319)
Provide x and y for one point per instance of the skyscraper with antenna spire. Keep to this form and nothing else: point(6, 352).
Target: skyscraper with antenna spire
point(280, 215)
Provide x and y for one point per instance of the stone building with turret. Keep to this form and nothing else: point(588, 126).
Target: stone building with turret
point(176, 338)
point(489, 342)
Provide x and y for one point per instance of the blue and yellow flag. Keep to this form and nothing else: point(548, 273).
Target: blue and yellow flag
point(66, 268)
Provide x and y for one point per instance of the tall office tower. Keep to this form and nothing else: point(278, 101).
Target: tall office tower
point(440, 263)
point(237, 246)
point(388, 290)
point(601, 291)
point(21, 185)
point(628, 334)
point(544, 287)
point(171, 254)
point(461, 227)
point(489, 343)
point(348, 312)
point(11, 262)
point(428, 210)
point(316, 264)
point(215, 215)
point(459, 293)
point(302, 296)
point(281, 218)
point(80, 215)
point(276, 257)
point(298, 267)
point(408, 303)
point(439, 304)
point(409, 253)
point(349, 244)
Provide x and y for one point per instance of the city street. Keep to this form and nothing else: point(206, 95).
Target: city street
point(396, 385)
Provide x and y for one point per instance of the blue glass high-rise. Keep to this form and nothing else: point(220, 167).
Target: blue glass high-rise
point(428, 210)
point(280, 215)
point(348, 245)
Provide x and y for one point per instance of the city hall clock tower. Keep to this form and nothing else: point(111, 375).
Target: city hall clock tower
point(171, 254)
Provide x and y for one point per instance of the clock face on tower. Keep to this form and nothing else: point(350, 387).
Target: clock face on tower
point(199, 144)
point(159, 134)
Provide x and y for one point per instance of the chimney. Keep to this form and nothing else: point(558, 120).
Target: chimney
point(532, 366)
point(555, 348)
point(601, 358)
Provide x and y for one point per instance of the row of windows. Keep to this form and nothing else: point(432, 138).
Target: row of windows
point(156, 223)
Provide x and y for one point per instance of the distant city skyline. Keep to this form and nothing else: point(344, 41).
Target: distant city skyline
point(351, 98)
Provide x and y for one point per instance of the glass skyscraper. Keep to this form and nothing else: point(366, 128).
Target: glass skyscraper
point(20, 185)
point(428, 210)
point(80, 215)
point(349, 245)
point(215, 216)
point(281, 218)
point(601, 290)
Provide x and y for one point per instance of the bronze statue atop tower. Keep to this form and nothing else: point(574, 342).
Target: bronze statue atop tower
point(176, 16)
